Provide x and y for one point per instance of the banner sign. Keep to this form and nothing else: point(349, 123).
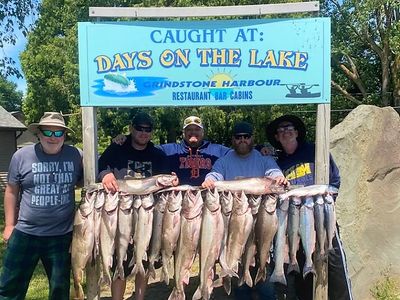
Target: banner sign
point(192, 63)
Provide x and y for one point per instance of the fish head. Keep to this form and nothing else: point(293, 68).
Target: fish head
point(111, 202)
point(240, 203)
point(166, 180)
point(254, 203)
point(147, 201)
point(192, 203)
point(161, 202)
point(100, 199)
point(212, 200)
point(137, 201)
point(174, 200)
point(226, 199)
point(269, 203)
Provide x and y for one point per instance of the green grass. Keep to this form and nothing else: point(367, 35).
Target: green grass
point(386, 289)
point(38, 287)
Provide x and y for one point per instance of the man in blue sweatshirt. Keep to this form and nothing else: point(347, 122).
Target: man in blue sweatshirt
point(193, 157)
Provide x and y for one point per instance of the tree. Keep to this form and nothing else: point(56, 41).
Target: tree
point(366, 50)
point(10, 98)
point(13, 16)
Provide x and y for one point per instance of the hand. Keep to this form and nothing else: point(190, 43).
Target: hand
point(208, 184)
point(8, 229)
point(175, 182)
point(266, 151)
point(281, 180)
point(119, 139)
point(110, 183)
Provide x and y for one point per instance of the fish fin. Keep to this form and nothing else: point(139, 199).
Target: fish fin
point(227, 284)
point(278, 278)
point(261, 275)
point(293, 267)
point(197, 294)
point(145, 256)
point(308, 270)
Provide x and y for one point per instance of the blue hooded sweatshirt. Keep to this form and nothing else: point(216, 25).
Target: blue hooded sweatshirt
point(192, 164)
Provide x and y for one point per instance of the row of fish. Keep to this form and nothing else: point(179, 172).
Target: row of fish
point(235, 224)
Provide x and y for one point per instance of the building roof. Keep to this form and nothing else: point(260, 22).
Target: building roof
point(9, 122)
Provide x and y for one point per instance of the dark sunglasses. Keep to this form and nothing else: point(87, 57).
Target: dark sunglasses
point(49, 133)
point(142, 129)
point(239, 136)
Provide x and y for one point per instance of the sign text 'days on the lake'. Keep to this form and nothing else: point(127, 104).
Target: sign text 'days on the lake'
point(191, 63)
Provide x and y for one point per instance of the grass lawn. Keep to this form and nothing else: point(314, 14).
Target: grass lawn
point(38, 287)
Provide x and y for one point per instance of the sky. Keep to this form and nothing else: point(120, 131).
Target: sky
point(14, 52)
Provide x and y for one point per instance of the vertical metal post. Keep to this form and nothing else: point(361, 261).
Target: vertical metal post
point(322, 177)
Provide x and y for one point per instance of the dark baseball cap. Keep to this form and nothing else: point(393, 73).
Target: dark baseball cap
point(242, 128)
point(142, 118)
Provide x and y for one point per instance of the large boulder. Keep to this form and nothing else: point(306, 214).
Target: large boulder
point(366, 147)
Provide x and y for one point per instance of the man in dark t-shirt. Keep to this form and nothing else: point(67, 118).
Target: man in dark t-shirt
point(138, 158)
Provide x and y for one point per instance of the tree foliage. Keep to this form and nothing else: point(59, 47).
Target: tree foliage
point(365, 60)
point(10, 98)
point(366, 50)
point(13, 17)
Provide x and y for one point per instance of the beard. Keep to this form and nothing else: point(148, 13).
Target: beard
point(243, 148)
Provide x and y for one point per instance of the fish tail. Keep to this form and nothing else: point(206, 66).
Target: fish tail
point(248, 279)
point(261, 275)
point(107, 278)
point(164, 275)
point(176, 295)
point(152, 271)
point(227, 284)
point(278, 278)
point(78, 292)
point(197, 294)
point(308, 270)
point(293, 267)
point(119, 272)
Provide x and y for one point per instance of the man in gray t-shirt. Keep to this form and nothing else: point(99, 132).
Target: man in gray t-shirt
point(39, 204)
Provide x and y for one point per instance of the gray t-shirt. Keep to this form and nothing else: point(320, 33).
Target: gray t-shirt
point(47, 188)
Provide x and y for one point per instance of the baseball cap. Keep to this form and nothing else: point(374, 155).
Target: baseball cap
point(192, 120)
point(242, 128)
point(142, 118)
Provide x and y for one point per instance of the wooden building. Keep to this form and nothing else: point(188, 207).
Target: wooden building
point(10, 130)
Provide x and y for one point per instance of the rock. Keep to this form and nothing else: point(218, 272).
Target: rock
point(366, 147)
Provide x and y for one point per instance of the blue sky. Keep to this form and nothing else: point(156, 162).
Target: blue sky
point(14, 52)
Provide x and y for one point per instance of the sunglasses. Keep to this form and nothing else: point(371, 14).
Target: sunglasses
point(285, 128)
point(239, 136)
point(49, 133)
point(143, 129)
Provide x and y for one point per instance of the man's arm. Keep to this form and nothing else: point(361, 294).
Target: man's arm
point(273, 170)
point(106, 165)
point(10, 209)
point(334, 177)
